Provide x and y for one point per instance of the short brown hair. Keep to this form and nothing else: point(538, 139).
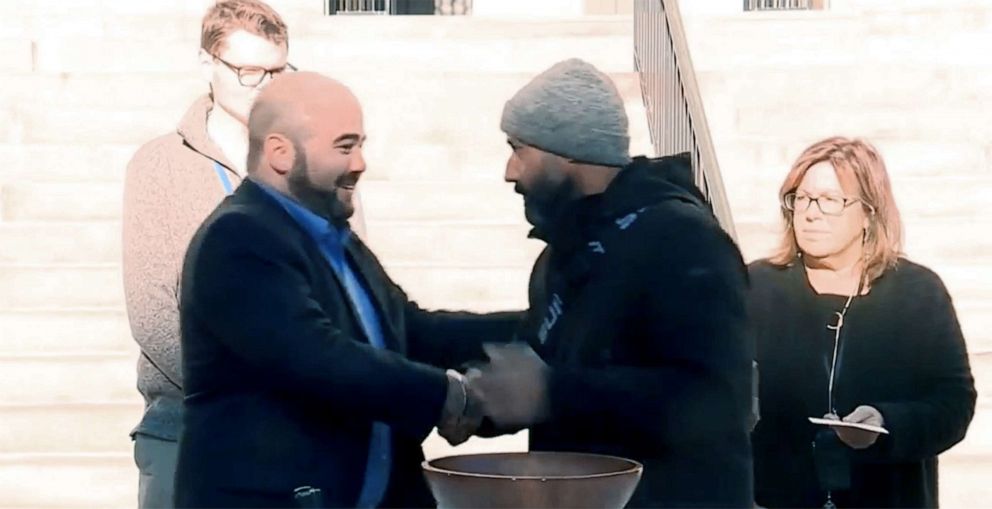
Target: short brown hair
point(858, 161)
point(252, 16)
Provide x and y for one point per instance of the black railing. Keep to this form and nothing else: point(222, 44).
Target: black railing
point(674, 107)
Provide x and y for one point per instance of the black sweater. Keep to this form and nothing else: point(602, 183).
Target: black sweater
point(901, 352)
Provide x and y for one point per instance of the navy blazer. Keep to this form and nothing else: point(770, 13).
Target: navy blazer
point(281, 384)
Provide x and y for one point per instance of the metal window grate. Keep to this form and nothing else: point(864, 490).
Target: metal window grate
point(358, 6)
point(782, 5)
point(382, 7)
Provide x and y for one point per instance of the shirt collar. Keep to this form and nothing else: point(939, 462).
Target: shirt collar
point(193, 130)
point(317, 227)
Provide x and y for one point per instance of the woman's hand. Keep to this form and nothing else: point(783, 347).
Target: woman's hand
point(859, 438)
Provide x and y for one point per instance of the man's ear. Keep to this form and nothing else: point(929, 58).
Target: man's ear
point(279, 152)
point(206, 65)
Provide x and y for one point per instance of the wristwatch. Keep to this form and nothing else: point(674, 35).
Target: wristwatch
point(456, 378)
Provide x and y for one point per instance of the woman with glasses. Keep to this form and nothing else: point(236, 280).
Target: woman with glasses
point(849, 330)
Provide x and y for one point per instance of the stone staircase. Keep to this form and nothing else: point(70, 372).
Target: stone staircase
point(907, 75)
point(85, 86)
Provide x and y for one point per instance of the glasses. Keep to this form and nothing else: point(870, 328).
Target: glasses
point(831, 205)
point(251, 76)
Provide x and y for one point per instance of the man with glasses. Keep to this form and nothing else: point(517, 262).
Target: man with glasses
point(172, 184)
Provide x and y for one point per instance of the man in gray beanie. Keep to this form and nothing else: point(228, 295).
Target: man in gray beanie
point(635, 343)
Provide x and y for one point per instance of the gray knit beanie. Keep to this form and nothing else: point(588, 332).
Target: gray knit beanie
point(573, 110)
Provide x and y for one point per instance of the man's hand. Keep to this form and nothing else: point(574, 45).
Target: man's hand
point(512, 390)
point(461, 415)
point(858, 438)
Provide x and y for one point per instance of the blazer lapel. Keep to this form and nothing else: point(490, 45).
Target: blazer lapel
point(252, 193)
point(376, 283)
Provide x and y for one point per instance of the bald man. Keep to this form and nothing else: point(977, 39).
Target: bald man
point(305, 365)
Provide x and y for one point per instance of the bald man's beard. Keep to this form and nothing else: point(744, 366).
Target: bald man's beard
point(323, 202)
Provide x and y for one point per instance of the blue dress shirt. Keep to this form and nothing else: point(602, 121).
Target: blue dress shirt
point(332, 241)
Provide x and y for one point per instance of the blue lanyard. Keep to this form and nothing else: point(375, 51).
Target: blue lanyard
point(222, 175)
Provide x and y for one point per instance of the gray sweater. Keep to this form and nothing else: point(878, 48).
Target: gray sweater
point(170, 187)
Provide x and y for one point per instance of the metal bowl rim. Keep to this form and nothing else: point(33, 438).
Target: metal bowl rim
point(636, 467)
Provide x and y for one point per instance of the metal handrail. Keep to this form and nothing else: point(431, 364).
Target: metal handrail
point(676, 118)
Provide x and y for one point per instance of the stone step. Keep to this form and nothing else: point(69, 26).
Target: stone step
point(964, 480)
point(813, 40)
point(455, 109)
point(938, 241)
point(18, 55)
point(978, 440)
point(343, 29)
point(27, 288)
point(157, 7)
point(454, 245)
point(745, 160)
point(131, 127)
point(34, 287)
point(68, 481)
point(463, 288)
point(609, 53)
point(35, 22)
point(62, 201)
point(961, 122)
point(64, 162)
point(406, 199)
point(467, 47)
point(93, 427)
point(909, 7)
point(95, 89)
point(976, 324)
point(163, 20)
point(57, 330)
point(845, 86)
point(966, 283)
point(92, 242)
point(981, 369)
point(68, 378)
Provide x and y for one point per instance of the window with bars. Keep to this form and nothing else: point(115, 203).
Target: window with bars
point(784, 5)
point(402, 7)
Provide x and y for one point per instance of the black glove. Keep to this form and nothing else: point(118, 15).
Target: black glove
point(512, 390)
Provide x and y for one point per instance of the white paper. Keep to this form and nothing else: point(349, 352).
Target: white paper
point(842, 424)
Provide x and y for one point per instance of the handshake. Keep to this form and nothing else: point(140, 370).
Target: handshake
point(506, 395)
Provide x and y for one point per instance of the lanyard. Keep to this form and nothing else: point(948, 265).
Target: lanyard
point(831, 406)
point(222, 175)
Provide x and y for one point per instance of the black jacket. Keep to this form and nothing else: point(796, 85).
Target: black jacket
point(901, 351)
point(281, 384)
point(637, 304)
